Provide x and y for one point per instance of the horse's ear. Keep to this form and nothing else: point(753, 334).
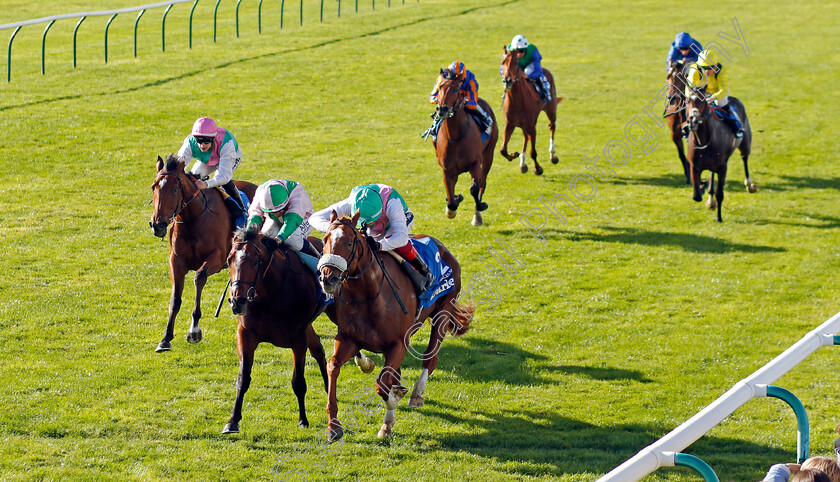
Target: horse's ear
point(506, 49)
point(355, 217)
point(333, 216)
point(180, 166)
point(441, 71)
point(159, 163)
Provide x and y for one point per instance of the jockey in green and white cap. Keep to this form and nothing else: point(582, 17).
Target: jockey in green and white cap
point(281, 209)
point(386, 218)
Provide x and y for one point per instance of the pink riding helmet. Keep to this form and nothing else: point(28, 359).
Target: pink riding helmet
point(204, 126)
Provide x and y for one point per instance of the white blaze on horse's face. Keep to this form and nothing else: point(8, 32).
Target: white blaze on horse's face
point(335, 236)
point(162, 183)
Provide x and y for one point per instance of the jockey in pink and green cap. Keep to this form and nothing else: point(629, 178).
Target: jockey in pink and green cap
point(281, 209)
point(217, 155)
point(387, 220)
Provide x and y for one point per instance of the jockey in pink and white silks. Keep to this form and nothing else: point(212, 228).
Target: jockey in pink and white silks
point(217, 155)
point(387, 220)
point(281, 210)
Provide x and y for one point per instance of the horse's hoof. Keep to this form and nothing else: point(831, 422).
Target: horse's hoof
point(163, 346)
point(752, 188)
point(367, 368)
point(231, 427)
point(194, 336)
point(303, 424)
point(555, 159)
point(697, 198)
point(476, 220)
point(384, 432)
point(482, 206)
point(415, 402)
point(538, 170)
point(711, 203)
point(450, 213)
point(523, 168)
point(335, 434)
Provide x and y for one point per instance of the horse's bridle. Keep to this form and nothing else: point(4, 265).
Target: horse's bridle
point(698, 122)
point(508, 83)
point(184, 200)
point(449, 111)
point(338, 262)
point(251, 294)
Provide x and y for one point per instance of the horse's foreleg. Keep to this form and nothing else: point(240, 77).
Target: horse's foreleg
point(440, 321)
point(246, 344)
point(748, 182)
point(523, 165)
point(719, 191)
point(389, 386)
point(177, 272)
point(298, 380)
point(452, 200)
point(343, 349)
point(365, 364)
point(697, 184)
point(316, 349)
point(209, 268)
point(508, 132)
point(676, 136)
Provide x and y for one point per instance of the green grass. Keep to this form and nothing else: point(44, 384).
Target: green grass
point(635, 314)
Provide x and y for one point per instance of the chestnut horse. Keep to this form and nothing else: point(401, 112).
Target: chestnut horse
point(711, 142)
point(522, 106)
point(376, 311)
point(675, 111)
point(200, 232)
point(275, 299)
point(459, 147)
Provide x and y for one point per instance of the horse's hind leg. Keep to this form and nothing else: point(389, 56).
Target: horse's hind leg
point(551, 112)
point(745, 154)
point(177, 272)
point(316, 349)
point(210, 267)
point(676, 136)
point(711, 203)
point(452, 200)
point(477, 191)
point(298, 380)
point(531, 136)
point(246, 344)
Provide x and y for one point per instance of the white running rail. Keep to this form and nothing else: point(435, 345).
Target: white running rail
point(89, 14)
point(662, 452)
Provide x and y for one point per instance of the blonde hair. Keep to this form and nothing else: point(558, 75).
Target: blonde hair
point(825, 464)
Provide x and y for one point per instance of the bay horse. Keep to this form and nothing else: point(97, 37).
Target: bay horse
point(711, 142)
point(675, 111)
point(459, 146)
point(274, 296)
point(522, 106)
point(380, 318)
point(200, 232)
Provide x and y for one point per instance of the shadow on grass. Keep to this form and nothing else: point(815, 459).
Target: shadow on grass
point(601, 373)
point(790, 183)
point(696, 243)
point(535, 443)
point(828, 222)
point(676, 181)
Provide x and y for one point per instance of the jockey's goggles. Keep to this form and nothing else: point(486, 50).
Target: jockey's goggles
point(203, 140)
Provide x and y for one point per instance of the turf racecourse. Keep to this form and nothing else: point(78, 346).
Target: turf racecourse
point(630, 317)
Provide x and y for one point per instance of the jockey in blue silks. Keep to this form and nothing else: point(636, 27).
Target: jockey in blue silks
point(528, 56)
point(683, 48)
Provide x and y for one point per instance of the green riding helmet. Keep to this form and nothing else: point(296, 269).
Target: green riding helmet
point(367, 201)
point(275, 198)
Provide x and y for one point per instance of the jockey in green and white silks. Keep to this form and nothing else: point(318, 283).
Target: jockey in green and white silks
point(281, 209)
point(217, 155)
point(386, 218)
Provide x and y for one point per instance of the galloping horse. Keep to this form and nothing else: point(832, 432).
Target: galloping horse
point(675, 111)
point(199, 236)
point(522, 106)
point(459, 147)
point(275, 298)
point(711, 142)
point(373, 316)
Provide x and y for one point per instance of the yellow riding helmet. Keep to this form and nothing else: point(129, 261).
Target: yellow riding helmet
point(707, 58)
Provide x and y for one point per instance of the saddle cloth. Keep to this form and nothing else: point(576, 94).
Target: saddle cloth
point(444, 281)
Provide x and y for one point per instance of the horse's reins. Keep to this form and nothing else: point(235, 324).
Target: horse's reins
point(345, 274)
point(703, 117)
point(184, 201)
point(251, 294)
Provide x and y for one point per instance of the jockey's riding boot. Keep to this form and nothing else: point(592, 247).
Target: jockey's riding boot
point(736, 122)
point(545, 92)
point(236, 207)
point(486, 120)
point(424, 271)
point(309, 249)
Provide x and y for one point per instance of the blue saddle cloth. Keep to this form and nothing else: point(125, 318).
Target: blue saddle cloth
point(433, 130)
point(243, 216)
point(444, 281)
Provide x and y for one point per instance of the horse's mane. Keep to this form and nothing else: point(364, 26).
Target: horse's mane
point(246, 235)
point(171, 164)
point(447, 74)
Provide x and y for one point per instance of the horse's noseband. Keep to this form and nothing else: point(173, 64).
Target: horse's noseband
point(251, 294)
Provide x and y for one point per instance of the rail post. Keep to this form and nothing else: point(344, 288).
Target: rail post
point(43, 44)
point(75, 31)
point(163, 29)
point(9, 62)
point(135, 30)
point(107, 26)
point(192, 10)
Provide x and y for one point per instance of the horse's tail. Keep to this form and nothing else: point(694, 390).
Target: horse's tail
point(462, 315)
